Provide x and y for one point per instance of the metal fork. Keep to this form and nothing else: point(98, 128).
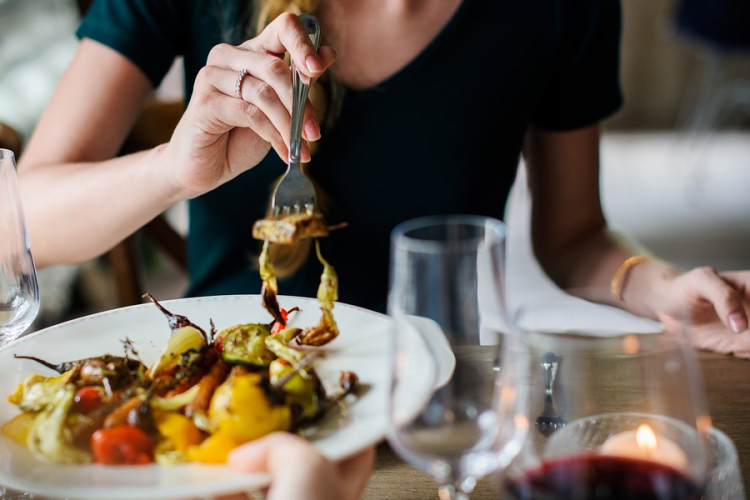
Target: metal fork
point(549, 420)
point(295, 193)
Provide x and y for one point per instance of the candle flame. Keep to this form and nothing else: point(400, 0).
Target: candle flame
point(645, 437)
point(521, 422)
point(630, 344)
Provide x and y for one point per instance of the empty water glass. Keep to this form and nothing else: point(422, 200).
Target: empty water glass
point(724, 479)
point(19, 291)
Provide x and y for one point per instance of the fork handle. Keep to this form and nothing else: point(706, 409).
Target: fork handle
point(300, 89)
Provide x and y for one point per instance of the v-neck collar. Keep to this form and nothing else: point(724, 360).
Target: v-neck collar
point(421, 57)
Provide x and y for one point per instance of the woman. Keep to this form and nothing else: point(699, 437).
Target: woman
point(426, 111)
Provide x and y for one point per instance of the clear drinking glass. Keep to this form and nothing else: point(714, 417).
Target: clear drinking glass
point(724, 478)
point(617, 407)
point(454, 409)
point(19, 291)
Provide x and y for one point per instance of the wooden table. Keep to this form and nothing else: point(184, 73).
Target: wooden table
point(727, 381)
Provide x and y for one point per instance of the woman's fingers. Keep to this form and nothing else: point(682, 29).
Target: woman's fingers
point(266, 83)
point(287, 34)
point(220, 113)
point(254, 91)
point(269, 68)
point(727, 300)
point(357, 471)
point(265, 115)
point(721, 342)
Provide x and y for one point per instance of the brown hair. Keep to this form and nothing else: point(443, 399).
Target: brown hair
point(326, 95)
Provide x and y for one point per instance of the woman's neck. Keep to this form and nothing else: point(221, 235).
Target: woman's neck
point(377, 38)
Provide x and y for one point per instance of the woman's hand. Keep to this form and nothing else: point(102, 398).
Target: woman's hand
point(298, 470)
point(222, 133)
point(713, 307)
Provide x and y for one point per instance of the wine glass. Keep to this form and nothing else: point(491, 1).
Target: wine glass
point(454, 409)
point(628, 400)
point(19, 291)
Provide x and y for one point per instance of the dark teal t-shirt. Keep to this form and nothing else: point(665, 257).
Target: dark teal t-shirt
point(443, 135)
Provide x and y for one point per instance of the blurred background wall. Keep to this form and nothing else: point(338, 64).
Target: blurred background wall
point(663, 69)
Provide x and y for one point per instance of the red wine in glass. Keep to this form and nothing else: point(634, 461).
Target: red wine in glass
point(598, 477)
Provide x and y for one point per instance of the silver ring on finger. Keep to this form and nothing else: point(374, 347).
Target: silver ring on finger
point(238, 82)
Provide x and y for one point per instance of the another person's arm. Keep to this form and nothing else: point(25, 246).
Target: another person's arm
point(80, 202)
point(578, 251)
point(298, 470)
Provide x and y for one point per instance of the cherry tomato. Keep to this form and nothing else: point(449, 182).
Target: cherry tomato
point(87, 399)
point(278, 326)
point(122, 445)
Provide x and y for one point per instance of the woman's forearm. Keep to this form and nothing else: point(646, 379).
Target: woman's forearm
point(587, 266)
point(77, 211)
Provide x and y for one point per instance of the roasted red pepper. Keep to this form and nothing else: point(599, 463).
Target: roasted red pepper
point(277, 325)
point(122, 445)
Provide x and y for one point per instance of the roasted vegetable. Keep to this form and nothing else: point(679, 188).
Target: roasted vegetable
point(214, 450)
point(176, 402)
point(277, 326)
point(328, 293)
point(108, 370)
point(88, 399)
point(198, 401)
point(18, 427)
point(300, 391)
point(176, 321)
point(182, 341)
point(119, 416)
point(245, 345)
point(278, 344)
point(242, 410)
point(206, 388)
point(49, 437)
point(179, 430)
point(269, 288)
point(122, 445)
point(37, 392)
point(289, 229)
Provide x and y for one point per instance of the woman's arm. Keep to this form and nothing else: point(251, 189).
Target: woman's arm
point(569, 232)
point(577, 250)
point(79, 202)
point(76, 207)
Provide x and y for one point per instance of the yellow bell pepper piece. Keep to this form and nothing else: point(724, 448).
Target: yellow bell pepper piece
point(240, 409)
point(214, 450)
point(178, 429)
point(18, 427)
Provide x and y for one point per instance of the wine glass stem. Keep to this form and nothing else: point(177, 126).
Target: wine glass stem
point(450, 492)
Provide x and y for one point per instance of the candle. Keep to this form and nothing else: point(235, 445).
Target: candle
point(644, 444)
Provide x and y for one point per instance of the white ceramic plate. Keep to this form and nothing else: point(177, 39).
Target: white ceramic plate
point(361, 347)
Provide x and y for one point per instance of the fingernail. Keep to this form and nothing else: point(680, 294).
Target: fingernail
point(312, 130)
point(313, 64)
point(335, 53)
point(737, 322)
point(306, 156)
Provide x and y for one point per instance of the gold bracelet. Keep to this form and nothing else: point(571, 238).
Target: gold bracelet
point(615, 286)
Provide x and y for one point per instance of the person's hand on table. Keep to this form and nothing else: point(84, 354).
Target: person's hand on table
point(298, 470)
point(715, 307)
